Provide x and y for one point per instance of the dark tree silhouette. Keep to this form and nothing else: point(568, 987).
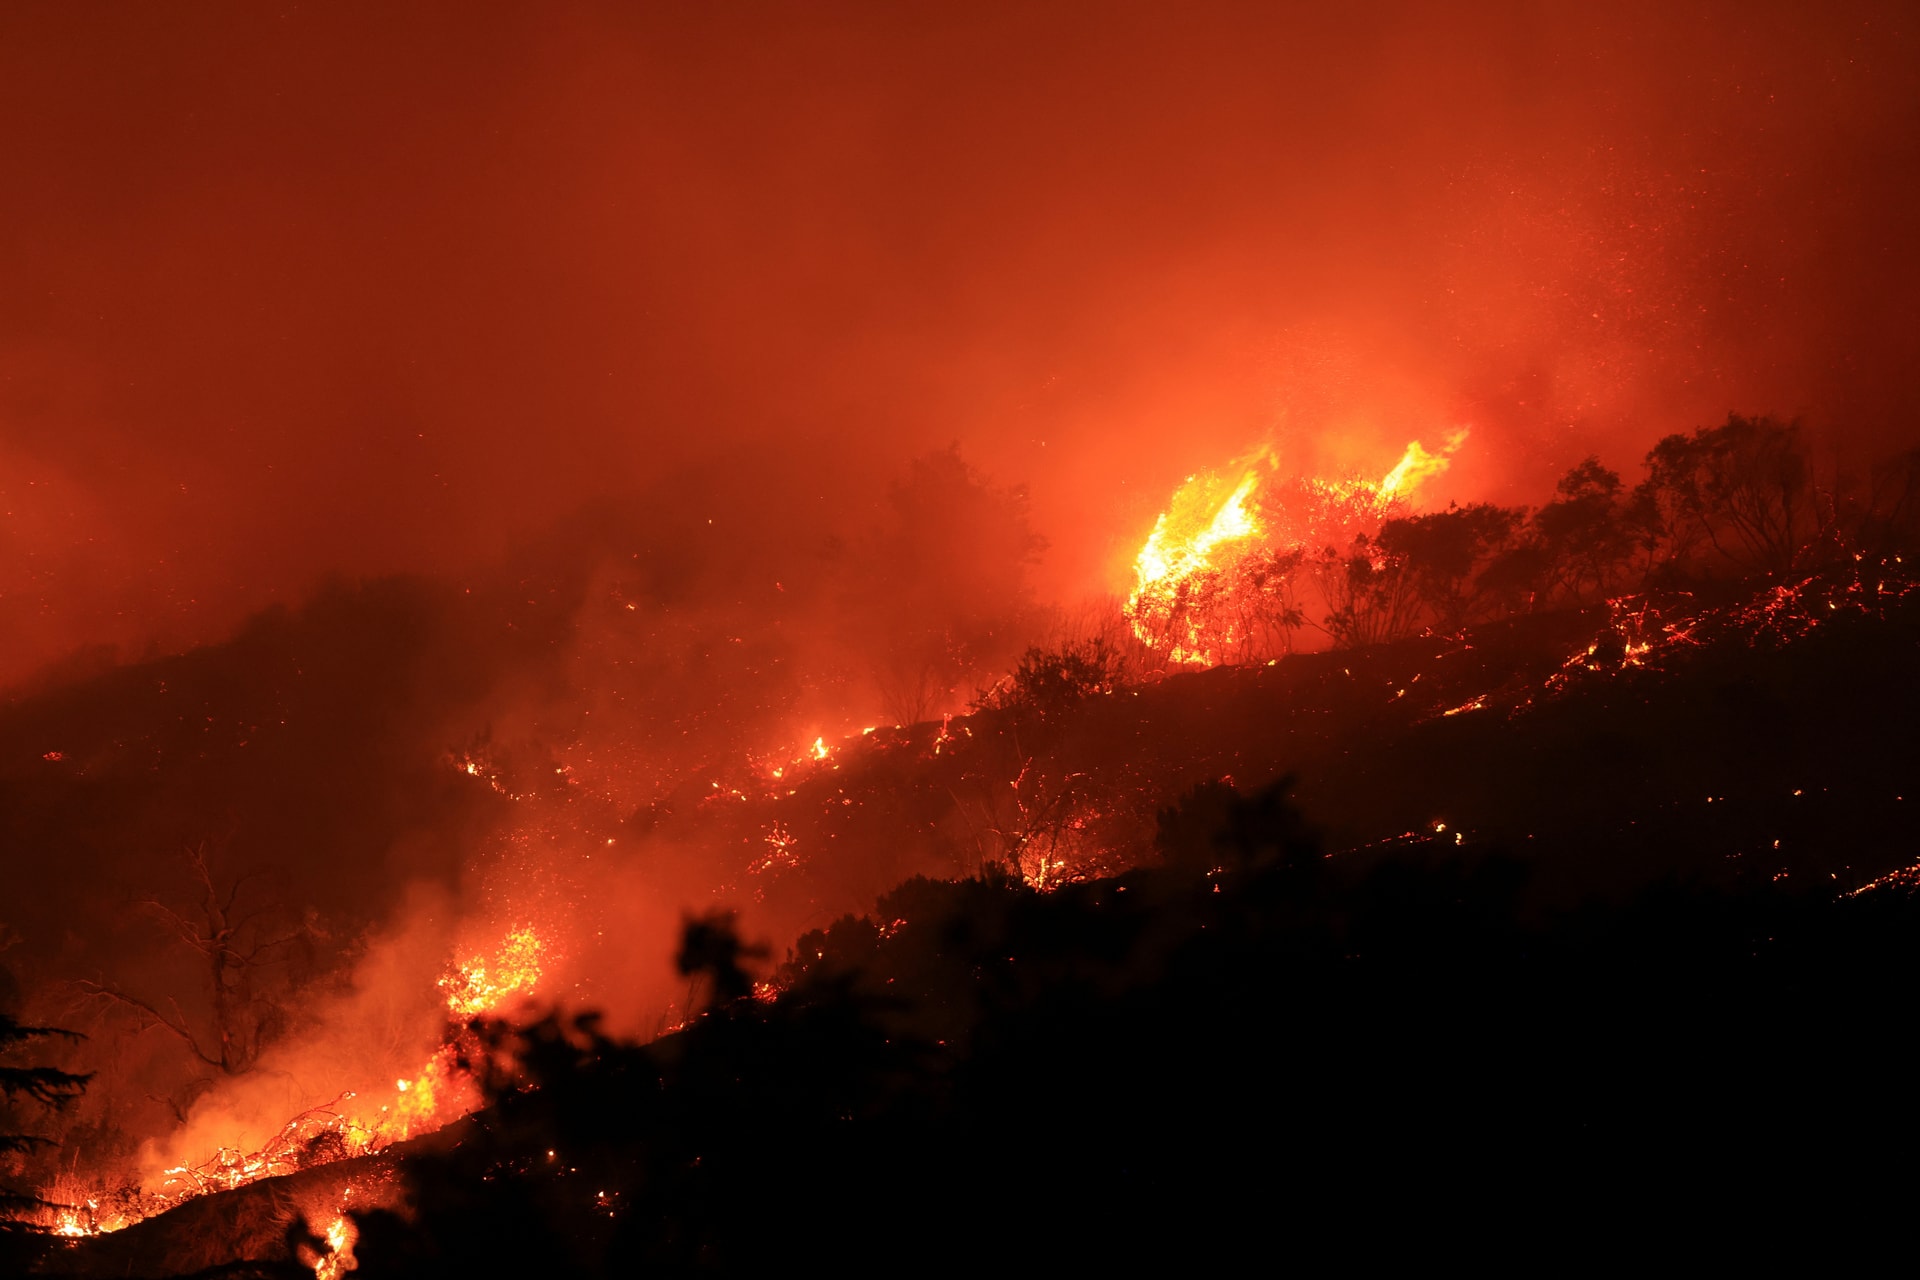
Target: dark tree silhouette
point(1270, 611)
point(244, 945)
point(1745, 488)
point(1444, 553)
point(1891, 518)
point(710, 949)
point(1589, 533)
point(1370, 595)
point(45, 1086)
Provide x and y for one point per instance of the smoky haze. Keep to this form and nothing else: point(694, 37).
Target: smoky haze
point(478, 469)
point(347, 289)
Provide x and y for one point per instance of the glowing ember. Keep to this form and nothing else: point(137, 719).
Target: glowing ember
point(780, 855)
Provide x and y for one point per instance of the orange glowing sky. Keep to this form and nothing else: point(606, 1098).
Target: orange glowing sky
point(296, 289)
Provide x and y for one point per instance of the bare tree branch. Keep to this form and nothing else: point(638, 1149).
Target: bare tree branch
point(176, 1024)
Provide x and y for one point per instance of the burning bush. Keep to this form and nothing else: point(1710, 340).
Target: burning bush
point(1217, 580)
point(1231, 574)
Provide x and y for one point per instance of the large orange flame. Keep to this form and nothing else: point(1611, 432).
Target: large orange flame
point(1177, 551)
point(1214, 520)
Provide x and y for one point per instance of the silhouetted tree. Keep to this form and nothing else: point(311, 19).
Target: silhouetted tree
point(1269, 602)
point(1444, 553)
point(1370, 595)
point(243, 948)
point(1891, 521)
point(1579, 547)
point(710, 949)
point(46, 1086)
point(1590, 532)
point(1744, 488)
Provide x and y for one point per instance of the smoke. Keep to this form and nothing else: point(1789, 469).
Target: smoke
point(586, 344)
point(330, 292)
point(359, 792)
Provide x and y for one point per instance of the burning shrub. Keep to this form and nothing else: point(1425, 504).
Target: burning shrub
point(1050, 682)
point(1217, 579)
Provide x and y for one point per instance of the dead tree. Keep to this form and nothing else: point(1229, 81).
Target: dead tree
point(243, 956)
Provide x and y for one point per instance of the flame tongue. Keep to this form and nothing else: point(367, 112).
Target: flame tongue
point(1202, 539)
point(1189, 541)
point(1169, 555)
point(1417, 465)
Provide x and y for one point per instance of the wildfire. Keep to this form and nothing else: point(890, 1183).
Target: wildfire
point(1417, 465)
point(1224, 540)
point(476, 987)
point(417, 1105)
point(89, 1214)
point(341, 1236)
point(815, 752)
point(780, 855)
point(1173, 555)
point(437, 1093)
point(473, 989)
point(1653, 631)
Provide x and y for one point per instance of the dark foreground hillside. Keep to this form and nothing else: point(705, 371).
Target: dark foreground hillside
point(1252, 1046)
point(1250, 1049)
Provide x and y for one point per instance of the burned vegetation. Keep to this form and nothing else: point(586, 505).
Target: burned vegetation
point(1573, 863)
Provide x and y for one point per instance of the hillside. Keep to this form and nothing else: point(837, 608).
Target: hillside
point(1623, 898)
